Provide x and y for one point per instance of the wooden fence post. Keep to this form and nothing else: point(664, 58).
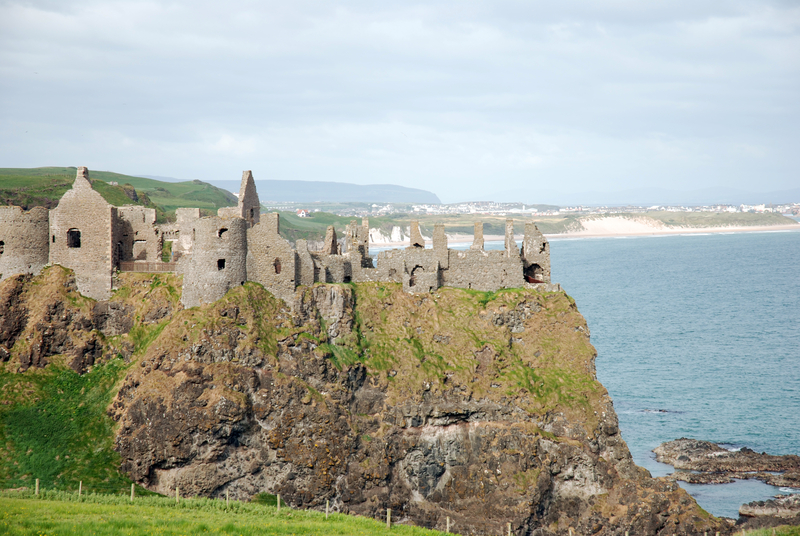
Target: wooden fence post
point(80, 488)
point(37, 486)
point(177, 494)
point(448, 524)
point(327, 507)
point(509, 529)
point(227, 498)
point(388, 518)
point(279, 502)
point(133, 491)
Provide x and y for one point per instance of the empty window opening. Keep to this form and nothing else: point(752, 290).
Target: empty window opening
point(277, 266)
point(220, 264)
point(54, 239)
point(347, 279)
point(392, 272)
point(252, 213)
point(140, 250)
point(412, 279)
point(73, 238)
point(222, 232)
point(2, 247)
point(534, 274)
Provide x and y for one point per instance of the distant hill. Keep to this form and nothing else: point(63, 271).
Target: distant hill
point(339, 192)
point(30, 187)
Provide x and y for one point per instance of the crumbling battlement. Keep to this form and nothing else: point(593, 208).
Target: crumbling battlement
point(217, 253)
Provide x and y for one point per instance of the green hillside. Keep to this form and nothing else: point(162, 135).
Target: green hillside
point(30, 187)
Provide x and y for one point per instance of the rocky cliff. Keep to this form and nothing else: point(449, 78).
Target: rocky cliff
point(481, 407)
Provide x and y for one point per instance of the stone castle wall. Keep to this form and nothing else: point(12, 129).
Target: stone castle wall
point(23, 240)
point(215, 254)
point(271, 260)
point(139, 239)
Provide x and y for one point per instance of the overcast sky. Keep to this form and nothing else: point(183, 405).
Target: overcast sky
point(471, 100)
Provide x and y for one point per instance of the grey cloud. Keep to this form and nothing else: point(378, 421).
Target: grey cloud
point(463, 98)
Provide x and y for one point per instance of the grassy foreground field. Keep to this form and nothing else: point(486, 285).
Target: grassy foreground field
point(57, 513)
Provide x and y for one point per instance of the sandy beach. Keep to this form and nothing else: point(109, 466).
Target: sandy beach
point(614, 227)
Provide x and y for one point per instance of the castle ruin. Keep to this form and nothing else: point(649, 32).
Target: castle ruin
point(216, 253)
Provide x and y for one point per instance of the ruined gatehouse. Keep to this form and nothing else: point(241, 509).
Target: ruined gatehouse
point(216, 253)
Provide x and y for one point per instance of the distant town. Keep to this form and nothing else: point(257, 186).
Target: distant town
point(515, 209)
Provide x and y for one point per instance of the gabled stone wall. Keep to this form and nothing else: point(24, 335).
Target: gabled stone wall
point(82, 237)
point(249, 207)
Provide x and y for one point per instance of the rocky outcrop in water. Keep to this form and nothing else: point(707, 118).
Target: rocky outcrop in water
point(772, 513)
point(483, 408)
point(703, 462)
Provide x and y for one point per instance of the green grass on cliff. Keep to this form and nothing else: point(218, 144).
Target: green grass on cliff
point(54, 424)
point(59, 432)
point(63, 514)
point(30, 187)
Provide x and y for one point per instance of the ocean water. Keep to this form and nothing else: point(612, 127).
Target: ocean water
point(697, 336)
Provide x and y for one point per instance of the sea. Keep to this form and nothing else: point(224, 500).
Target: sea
point(698, 336)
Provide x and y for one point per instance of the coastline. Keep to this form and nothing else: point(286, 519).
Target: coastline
point(612, 229)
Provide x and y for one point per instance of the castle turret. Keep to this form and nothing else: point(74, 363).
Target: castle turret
point(23, 241)
point(218, 260)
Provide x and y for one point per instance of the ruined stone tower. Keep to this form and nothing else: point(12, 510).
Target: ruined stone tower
point(23, 240)
point(218, 260)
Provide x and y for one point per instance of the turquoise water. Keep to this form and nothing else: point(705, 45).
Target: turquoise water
point(697, 336)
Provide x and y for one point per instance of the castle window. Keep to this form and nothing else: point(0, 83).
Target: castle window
point(222, 232)
point(2, 247)
point(277, 266)
point(412, 279)
point(54, 239)
point(220, 264)
point(73, 238)
point(252, 213)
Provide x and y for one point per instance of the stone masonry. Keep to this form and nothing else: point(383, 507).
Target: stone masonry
point(217, 253)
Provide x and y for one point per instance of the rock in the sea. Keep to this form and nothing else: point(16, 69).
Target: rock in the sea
point(771, 513)
point(716, 465)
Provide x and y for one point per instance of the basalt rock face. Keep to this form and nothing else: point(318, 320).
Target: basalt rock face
point(44, 319)
point(480, 407)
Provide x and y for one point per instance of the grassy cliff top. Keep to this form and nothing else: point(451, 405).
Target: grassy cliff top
point(45, 186)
